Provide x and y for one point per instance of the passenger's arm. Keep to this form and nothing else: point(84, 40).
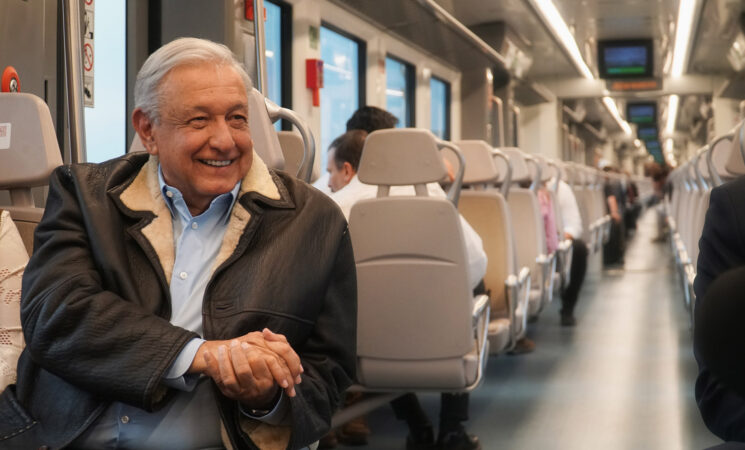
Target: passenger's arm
point(721, 248)
point(475, 253)
point(80, 331)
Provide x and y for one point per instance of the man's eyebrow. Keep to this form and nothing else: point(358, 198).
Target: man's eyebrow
point(204, 109)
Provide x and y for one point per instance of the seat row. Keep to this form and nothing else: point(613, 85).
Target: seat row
point(685, 208)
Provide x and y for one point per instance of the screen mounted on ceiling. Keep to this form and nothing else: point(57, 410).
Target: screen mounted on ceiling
point(642, 113)
point(626, 58)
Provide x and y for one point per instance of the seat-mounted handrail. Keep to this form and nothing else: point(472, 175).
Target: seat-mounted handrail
point(537, 174)
point(454, 191)
point(715, 178)
point(276, 112)
point(505, 188)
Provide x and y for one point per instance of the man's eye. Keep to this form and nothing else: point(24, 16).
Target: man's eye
point(198, 121)
point(239, 118)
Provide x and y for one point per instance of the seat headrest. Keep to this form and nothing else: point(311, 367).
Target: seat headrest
point(28, 143)
point(263, 134)
point(520, 171)
point(546, 171)
point(480, 164)
point(735, 165)
point(402, 156)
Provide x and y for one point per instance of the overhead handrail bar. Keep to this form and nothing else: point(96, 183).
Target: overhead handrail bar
point(73, 47)
point(260, 39)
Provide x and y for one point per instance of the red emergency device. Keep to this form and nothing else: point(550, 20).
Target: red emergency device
point(10, 81)
point(314, 78)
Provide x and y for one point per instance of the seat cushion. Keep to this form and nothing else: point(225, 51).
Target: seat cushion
point(499, 335)
point(13, 259)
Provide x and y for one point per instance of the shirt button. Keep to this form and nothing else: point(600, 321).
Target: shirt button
point(194, 226)
point(182, 275)
point(125, 419)
point(169, 194)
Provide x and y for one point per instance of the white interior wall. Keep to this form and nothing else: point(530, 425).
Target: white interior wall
point(310, 13)
point(540, 129)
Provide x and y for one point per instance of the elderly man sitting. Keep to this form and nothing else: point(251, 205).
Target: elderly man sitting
point(189, 298)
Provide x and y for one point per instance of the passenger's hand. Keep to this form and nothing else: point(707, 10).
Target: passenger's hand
point(251, 374)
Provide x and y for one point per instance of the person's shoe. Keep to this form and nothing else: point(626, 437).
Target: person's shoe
point(522, 346)
point(328, 441)
point(457, 439)
point(568, 321)
point(354, 432)
point(422, 439)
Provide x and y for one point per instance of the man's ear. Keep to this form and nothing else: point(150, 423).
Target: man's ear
point(144, 128)
point(348, 171)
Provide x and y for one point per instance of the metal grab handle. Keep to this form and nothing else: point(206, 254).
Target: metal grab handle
point(73, 46)
point(454, 192)
point(260, 39)
point(702, 181)
point(276, 112)
point(537, 177)
point(552, 164)
point(500, 118)
point(715, 178)
point(505, 188)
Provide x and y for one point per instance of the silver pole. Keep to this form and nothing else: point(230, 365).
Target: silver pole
point(259, 36)
point(74, 77)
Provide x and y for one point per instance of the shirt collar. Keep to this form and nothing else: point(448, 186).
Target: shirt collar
point(175, 200)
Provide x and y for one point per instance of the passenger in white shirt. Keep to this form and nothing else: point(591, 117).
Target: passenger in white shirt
point(572, 224)
point(346, 189)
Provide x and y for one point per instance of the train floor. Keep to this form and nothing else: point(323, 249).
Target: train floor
point(621, 379)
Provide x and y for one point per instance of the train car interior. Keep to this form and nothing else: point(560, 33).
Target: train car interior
point(528, 239)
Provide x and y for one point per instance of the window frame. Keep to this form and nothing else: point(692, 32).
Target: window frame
point(285, 45)
point(448, 105)
point(410, 120)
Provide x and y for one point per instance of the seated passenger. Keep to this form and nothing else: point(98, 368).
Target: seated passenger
point(13, 258)
point(172, 300)
point(345, 154)
point(722, 248)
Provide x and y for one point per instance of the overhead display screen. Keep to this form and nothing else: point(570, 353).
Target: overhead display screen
point(642, 113)
point(647, 133)
point(625, 59)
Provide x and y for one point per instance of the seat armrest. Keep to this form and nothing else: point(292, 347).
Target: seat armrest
point(480, 302)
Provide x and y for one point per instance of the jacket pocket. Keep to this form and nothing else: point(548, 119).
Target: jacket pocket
point(14, 419)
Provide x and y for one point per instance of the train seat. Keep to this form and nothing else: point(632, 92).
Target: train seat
point(409, 290)
point(530, 242)
point(488, 213)
point(292, 150)
point(29, 152)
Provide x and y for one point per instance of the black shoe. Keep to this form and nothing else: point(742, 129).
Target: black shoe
point(568, 321)
point(457, 439)
point(421, 439)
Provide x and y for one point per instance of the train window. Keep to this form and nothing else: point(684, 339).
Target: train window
point(343, 84)
point(399, 90)
point(439, 91)
point(278, 40)
point(106, 121)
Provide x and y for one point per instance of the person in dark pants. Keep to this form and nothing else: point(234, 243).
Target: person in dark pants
point(572, 225)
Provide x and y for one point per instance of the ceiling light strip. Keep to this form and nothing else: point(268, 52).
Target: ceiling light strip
point(613, 109)
point(553, 20)
point(672, 113)
point(683, 31)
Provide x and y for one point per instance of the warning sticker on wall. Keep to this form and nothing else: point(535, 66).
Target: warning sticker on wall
point(4, 136)
point(88, 54)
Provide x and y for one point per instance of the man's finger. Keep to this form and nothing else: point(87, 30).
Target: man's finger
point(227, 376)
point(241, 365)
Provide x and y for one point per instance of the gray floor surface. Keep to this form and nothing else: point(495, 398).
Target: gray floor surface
point(622, 379)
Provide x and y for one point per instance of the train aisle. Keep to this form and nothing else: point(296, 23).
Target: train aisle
point(622, 379)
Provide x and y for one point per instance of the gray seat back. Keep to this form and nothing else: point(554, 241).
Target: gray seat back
point(28, 154)
point(292, 150)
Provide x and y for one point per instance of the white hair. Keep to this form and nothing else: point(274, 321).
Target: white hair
point(182, 51)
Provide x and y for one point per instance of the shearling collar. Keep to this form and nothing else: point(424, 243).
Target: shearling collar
point(144, 194)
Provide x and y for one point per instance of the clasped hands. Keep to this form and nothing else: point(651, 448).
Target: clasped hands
point(251, 368)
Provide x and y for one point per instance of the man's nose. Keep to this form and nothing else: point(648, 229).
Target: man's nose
point(221, 138)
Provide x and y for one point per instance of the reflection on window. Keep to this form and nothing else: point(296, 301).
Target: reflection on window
point(399, 91)
point(341, 85)
point(273, 33)
point(106, 122)
point(440, 112)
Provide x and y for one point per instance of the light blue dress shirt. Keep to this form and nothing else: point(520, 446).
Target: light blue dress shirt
point(191, 419)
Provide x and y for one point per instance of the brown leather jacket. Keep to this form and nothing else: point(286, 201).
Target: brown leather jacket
point(96, 301)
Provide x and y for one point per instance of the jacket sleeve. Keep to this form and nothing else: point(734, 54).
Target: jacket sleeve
point(329, 356)
point(721, 248)
point(75, 328)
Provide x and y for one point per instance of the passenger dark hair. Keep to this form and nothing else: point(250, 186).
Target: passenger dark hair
point(371, 118)
point(348, 148)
